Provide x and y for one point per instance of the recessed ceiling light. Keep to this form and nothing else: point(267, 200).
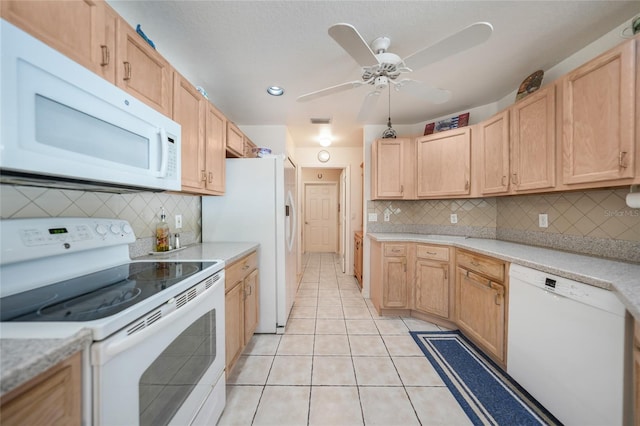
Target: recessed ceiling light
point(275, 91)
point(325, 141)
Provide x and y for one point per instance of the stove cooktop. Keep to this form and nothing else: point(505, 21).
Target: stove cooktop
point(97, 295)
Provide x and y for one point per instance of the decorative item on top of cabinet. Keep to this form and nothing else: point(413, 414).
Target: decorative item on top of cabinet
point(598, 118)
point(433, 294)
point(533, 141)
point(85, 31)
point(53, 397)
point(357, 257)
point(141, 70)
point(241, 305)
point(444, 164)
point(481, 295)
point(235, 141)
point(393, 169)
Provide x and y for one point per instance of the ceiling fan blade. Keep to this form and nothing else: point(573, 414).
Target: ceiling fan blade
point(422, 91)
point(467, 38)
point(350, 39)
point(330, 90)
point(368, 104)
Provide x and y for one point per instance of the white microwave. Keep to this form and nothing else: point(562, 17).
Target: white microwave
point(63, 126)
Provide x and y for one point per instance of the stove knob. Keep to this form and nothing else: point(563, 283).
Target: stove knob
point(126, 228)
point(114, 229)
point(101, 230)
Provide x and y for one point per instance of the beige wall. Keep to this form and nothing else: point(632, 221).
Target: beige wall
point(321, 175)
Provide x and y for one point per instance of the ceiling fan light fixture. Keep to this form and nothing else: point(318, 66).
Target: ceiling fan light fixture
point(275, 90)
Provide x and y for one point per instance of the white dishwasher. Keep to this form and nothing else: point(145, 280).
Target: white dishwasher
point(566, 345)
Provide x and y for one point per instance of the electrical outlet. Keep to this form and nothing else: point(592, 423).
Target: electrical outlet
point(178, 221)
point(386, 216)
point(543, 220)
point(373, 217)
point(454, 218)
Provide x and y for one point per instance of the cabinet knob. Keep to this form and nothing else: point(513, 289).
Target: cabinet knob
point(105, 55)
point(127, 71)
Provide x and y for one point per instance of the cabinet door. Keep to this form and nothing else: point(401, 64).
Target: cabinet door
point(141, 70)
point(189, 112)
point(598, 111)
point(82, 30)
point(251, 305)
point(235, 140)
point(215, 150)
point(493, 136)
point(234, 324)
point(533, 141)
point(432, 287)
point(389, 165)
point(444, 164)
point(394, 282)
point(480, 311)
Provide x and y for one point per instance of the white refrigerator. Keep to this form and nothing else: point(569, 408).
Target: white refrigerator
point(259, 205)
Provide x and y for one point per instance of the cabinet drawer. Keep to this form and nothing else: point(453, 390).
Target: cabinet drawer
point(395, 250)
point(432, 252)
point(490, 267)
point(240, 269)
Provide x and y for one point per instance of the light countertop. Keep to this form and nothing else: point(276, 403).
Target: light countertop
point(23, 359)
point(620, 277)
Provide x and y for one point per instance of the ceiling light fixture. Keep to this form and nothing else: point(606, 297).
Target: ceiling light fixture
point(325, 141)
point(275, 91)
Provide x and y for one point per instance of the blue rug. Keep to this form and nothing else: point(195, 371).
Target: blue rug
point(487, 394)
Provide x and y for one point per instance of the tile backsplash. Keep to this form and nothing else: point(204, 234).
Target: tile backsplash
point(589, 222)
point(141, 209)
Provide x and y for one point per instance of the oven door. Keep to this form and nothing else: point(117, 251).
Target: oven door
point(162, 368)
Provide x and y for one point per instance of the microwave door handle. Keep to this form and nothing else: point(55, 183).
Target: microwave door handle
point(164, 161)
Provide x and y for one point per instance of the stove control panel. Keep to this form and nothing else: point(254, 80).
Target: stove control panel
point(24, 239)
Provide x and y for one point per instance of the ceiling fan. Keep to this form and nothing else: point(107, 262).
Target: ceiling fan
point(381, 68)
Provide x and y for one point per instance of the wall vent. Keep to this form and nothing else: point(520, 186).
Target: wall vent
point(320, 120)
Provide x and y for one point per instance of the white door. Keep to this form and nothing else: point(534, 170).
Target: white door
point(321, 217)
point(342, 211)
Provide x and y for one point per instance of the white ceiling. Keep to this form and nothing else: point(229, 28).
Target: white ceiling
point(236, 49)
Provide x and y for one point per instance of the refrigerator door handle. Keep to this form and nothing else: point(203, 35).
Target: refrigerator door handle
point(291, 230)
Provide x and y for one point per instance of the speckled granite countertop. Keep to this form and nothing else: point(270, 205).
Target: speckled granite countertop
point(620, 277)
point(23, 359)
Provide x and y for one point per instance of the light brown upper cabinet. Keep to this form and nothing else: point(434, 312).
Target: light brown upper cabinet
point(533, 141)
point(393, 169)
point(84, 30)
point(235, 141)
point(142, 71)
point(598, 113)
point(203, 139)
point(493, 137)
point(444, 164)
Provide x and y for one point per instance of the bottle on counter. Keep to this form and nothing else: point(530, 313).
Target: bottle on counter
point(162, 233)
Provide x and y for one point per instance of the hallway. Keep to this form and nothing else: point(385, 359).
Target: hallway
point(338, 363)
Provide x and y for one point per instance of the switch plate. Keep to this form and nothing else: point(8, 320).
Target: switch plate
point(543, 220)
point(454, 218)
point(373, 217)
point(178, 221)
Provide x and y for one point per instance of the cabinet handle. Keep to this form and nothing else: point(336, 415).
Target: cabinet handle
point(105, 55)
point(402, 189)
point(210, 177)
point(621, 162)
point(466, 185)
point(245, 291)
point(245, 267)
point(446, 274)
point(514, 179)
point(127, 71)
point(504, 180)
point(431, 253)
point(203, 175)
point(475, 263)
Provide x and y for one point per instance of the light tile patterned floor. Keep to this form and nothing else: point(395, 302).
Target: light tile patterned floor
point(338, 363)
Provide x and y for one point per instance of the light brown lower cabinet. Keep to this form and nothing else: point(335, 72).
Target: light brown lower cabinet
point(432, 289)
point(481, 302)
point(52, 398)
point(242, 308)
